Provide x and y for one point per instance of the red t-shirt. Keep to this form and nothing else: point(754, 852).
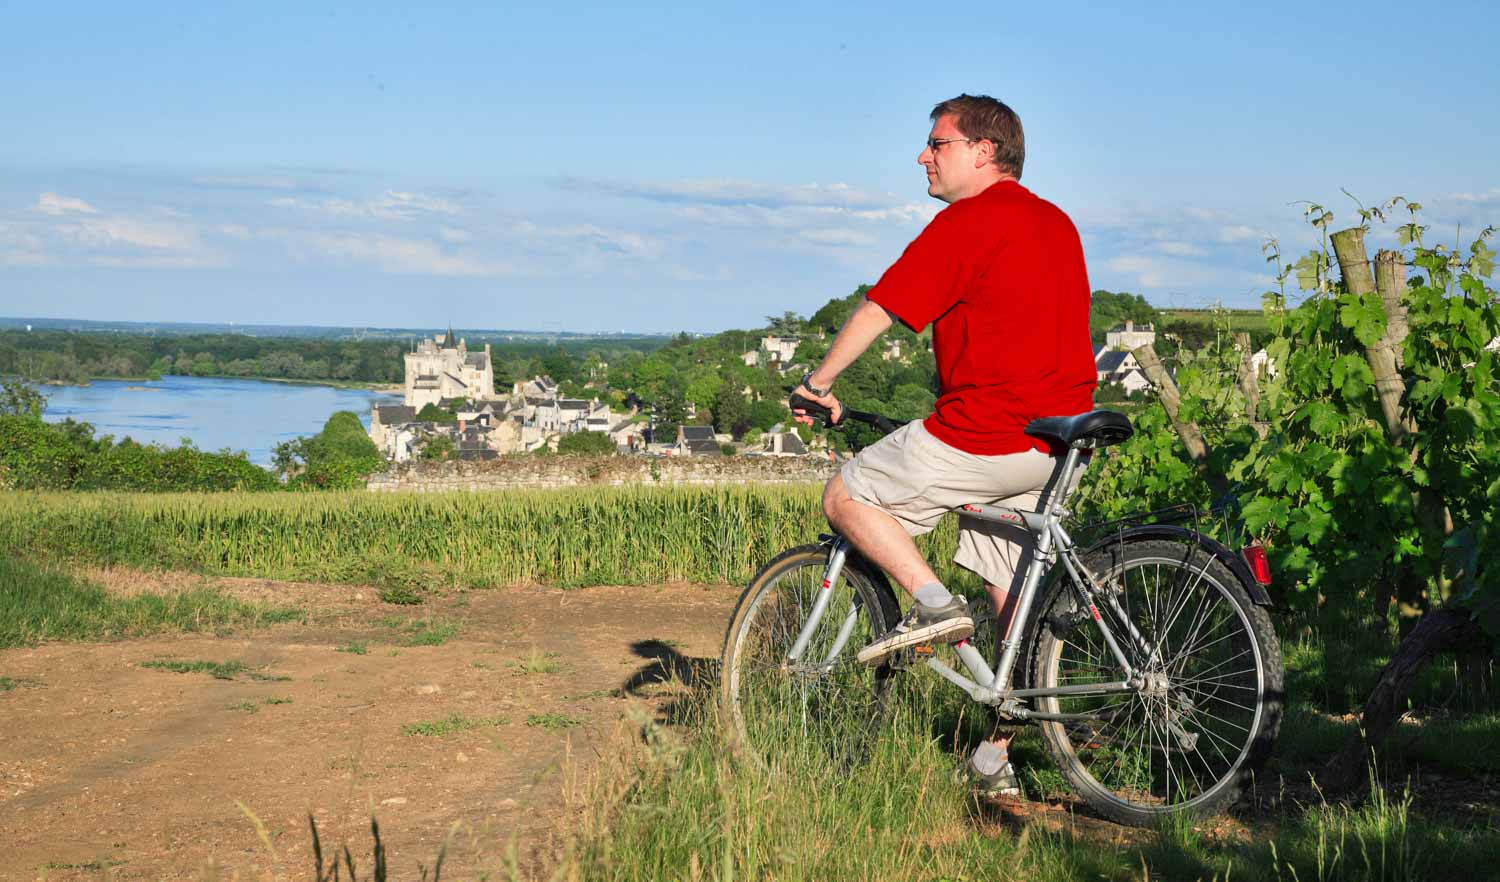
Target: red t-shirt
point(1000, 277)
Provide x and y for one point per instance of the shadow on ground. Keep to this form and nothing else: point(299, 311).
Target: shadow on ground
point(668, 671)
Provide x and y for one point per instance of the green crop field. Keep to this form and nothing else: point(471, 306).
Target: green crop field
point(584, 536)
point(1251, 321)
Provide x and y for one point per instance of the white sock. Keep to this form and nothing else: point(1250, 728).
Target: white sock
point(933, 595)
point(990, 758)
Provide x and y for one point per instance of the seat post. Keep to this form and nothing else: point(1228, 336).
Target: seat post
point(1064, 482)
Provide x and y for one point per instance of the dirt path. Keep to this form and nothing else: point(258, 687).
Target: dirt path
point(113, 770)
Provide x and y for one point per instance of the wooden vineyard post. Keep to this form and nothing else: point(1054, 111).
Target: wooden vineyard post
point(1448, 629)
point(1385, 356)
point(1250, 384)
point(1171, 401)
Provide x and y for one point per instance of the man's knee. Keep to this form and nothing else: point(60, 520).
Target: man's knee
point(834, 496)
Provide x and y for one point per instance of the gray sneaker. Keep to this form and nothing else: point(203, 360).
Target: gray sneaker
point(948, 623)
point(1003, 782)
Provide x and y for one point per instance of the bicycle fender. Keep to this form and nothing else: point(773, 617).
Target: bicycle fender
point(1224, 553)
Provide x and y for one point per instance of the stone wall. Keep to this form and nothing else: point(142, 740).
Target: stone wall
point(580, 471)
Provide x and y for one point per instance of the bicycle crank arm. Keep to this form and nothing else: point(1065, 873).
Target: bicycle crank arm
point(981, 694)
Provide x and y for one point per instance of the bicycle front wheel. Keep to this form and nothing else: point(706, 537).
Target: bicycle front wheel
point(1203, 719)
point(823, 701)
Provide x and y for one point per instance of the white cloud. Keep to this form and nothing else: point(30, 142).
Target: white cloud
point(1171, 276)
point(1239, 233)
point(1180, 249)
point(391, 205)
point(254, 182)
point(53, 204)
point(115, 232)
point(392, 254)
point(738, 200)
point(841, 237)
point(1492, 196)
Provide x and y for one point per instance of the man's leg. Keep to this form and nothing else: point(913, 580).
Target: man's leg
point(936, 615)
point(878, 536)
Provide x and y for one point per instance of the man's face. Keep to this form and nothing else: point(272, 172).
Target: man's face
point(954, 169)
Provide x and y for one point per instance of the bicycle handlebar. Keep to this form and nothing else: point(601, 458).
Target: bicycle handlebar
point(880, 421)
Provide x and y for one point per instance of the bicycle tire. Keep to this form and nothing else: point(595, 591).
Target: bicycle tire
point(832, 706)
point(1194, 739)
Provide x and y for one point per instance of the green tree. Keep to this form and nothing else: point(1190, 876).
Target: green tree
point(18, 398)
point(731, 414)
point(787, 324)
point(586, 443)
point(437, 447)
point(431, 413)
point(671, 412)
point(831, 317)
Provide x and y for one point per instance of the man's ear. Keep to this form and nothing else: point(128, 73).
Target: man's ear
point(985, 154)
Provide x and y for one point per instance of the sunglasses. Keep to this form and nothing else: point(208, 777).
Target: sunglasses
point(934, 143)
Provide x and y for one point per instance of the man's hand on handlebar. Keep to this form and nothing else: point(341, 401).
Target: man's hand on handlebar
point(802, 396)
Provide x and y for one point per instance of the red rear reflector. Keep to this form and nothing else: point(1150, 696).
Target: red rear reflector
point(1260, 565)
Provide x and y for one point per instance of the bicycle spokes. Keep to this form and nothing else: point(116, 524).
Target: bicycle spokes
point(1188, 724)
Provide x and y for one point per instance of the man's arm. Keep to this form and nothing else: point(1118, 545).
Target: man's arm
point(868, 321)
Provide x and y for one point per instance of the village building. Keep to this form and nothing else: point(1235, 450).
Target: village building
point(696, 441)
point(442, 367)
point(1128, 336)
point(1117, 368)
point(782, 444)
point(774, 349)
point(385, 421)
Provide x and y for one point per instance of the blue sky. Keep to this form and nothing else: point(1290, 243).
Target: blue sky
point(694, 166)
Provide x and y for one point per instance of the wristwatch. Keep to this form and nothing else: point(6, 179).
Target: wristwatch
point(807, 384)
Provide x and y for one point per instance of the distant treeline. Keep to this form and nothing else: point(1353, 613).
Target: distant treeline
point(1177, 329)
point(72, 357)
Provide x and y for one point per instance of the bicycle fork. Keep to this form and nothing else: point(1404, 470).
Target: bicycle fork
point(838, 553)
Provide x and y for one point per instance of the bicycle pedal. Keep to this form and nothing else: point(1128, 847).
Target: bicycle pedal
point(923, 649)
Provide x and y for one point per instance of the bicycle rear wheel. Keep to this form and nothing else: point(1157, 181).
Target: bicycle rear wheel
point(825, 701)
point(1203, 722)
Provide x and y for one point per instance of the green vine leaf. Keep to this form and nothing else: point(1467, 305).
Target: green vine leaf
point(1310, 270)
point(1366, 318)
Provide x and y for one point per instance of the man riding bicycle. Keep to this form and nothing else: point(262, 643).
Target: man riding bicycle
point(1000, 276)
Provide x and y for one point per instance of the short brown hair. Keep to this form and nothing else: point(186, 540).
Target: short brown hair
point(983, 117)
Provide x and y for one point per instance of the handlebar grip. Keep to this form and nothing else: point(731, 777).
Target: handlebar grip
point(814, 409)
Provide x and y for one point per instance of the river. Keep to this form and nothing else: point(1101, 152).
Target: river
point(248, 415)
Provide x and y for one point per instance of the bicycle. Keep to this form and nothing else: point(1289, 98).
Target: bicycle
point(1148, 659)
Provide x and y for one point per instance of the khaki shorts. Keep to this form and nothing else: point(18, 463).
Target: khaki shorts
point(917, 479)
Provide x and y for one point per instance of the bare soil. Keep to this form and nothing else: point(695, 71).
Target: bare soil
point(113, 770)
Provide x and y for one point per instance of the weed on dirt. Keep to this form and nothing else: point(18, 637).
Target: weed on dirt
point(41, 603)
point(219, 670)
point(551, 721)
point(451, 724)
point(356, 647)
point(9, 683)
point(431, 633)
point(537, 662)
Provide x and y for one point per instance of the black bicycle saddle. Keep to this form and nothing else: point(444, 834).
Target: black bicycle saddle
point(1092, 430)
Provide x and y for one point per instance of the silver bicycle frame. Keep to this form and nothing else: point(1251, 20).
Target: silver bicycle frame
point(993, 687)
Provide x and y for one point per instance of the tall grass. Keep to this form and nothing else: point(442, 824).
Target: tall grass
point(676, 805)
point(617, 535)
